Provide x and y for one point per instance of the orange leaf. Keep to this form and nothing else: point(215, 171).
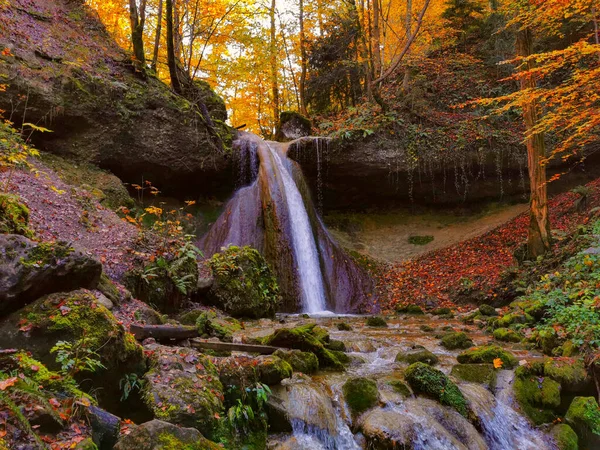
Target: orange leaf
point(8, 383)
point(497, 363)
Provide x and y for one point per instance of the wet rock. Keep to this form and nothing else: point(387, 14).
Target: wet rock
point(343, 326)
point(537, 397)
point(441, 311)
point(272, 370)
point(488, 310)
point(361, 394)
point(278, 419)
point(183, 388)
point(105, 427)
point(377, 322)
point(400, 387)
point(304, 362)
point(244, 285)
point(104, 301)
point(487, 354)
point(584, 416)
point(475, 373)
point(336, 345)
point(424, 379)
point(456, 340)
point(29, 270)
point(417, 355)
point(159, 435)
point(507, 335)
point(565, 437)
point(569, 372)
point(410, 309)
point(292, 125)
point(109, 289)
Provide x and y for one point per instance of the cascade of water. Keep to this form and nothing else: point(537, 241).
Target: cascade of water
point(246, 160)
point(303, 240)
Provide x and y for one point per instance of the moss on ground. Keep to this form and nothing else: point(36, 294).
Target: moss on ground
point(487, 354)
point(14, 216)
point(456, 340)
point(507, 335)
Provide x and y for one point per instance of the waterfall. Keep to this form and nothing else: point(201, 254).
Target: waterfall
point(305, 248)
point(274, 213)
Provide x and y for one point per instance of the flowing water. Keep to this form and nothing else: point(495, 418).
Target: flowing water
point(321, 420)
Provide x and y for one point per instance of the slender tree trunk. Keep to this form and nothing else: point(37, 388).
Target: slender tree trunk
point(408, 32)
point(303, 61)
point(539, 239)
point(376, 38)
point(171, 58)
point(157, 38)
point(274, 71)
point(138, 20)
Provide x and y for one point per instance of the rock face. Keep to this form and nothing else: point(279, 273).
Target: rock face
point(292, 125)
point(84, 89)
point(29, 270)
point(158, 435)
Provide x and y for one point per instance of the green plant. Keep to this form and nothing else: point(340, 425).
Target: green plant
point(75, 357)
point(14, 151)
point(248, 407)
point(128, 384)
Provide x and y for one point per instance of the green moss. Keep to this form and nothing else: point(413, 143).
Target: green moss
point(418, 355)
point(14, 216)
point(360, 394)
point(401, 387)
point(420, 240)
point(109, 289)
point(507, 335)
point(537, 397)
point(170, 442)
point(86, 444)
point(304, 362)
point(208, 323)
point(338, 346)
point(475, 373)
point(427, 328)
point(565, 437)
point(455, 340)
point(487, 310)
point(487, 354)
point(441, 311)
point(272, 370)
point(570, 372)
point(343, 326)
point(376, 321)
point(429, 381)
point(244, 284)
point(190, 317)
point(548, 340)
point(46, 253)
point(584, 416)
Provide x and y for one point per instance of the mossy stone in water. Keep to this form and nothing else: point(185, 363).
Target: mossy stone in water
point(401, 387)
point(475, 373)
point(304, 362)
point(584, 416)
point(424, 379)
point(487, 310)
point(271, 370)
point(418, 355)
point(569, 372)
point(537, 397)
point(455, 340)
point(338, 346)
point(343, 326)
point(427, 328)
point(507, 335)
point(360, 394)
point(414, 309)
point(516, 317)
point(487, 354)
point(441, 311)
point(565, 437)
point(376, 321)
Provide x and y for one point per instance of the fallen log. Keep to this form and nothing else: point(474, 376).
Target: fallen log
point(229, 347)
point(142, 332)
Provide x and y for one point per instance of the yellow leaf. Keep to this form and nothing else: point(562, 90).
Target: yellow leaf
point(497, 363)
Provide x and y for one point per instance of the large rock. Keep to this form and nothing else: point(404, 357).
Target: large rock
point(29, 270)
point(292, 125)
point(99, 109)
point(159, 435)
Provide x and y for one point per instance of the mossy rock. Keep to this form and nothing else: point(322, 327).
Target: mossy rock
point(304, 362)
point(360, 394)
point(475, 373)
point(456, 340)
point(441, 311)
point(424, 379)
point(190, 317)
point(487, 354)
point(292, 125)
point(160, 435)
point(488, 310)
point(214, 103)
point(244, 284)
point(401, 387)
point(516, 317)
point(183, 388)
point(427, 328)
point(208, 323)
point(271, 370)
point(14, 216)
point(565, 437)
point(570, 373)
point(302, 338)
point(417, 355)
point(537, 398)
point(109, 289)
point(548, 340)
point(411, 309)
point(320, 333)
point(343, 326)
point(86, 444)
point(584, 416)
point(376, 321)
point(507, 335)
point(336, 345)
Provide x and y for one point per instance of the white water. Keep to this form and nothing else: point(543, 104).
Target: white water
point(303, 240)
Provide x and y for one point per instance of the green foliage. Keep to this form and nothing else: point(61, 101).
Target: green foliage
point(14, 216)
point(14, 151)
point(75, 357)
point(128, 384)
point(249, 408)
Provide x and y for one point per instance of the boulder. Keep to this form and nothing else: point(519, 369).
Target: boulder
point(14, 216)
point(304, 362)
point(272, 370)
point(376, 322)
point(456, 340)
point(488, 310)
point(584, 417)
point(487, 354)
point(569, 372)
point(475, 373)
point(159, 435)
point(105, 427)
point(361, 394)
point(29, 270)
point(507, 335)
point(244, 285)
point(209, 323)
point(417, 354)
point(183, 387)
point(565, 437)
point(292, 125)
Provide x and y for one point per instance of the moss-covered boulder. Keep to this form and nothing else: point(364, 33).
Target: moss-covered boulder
point(304, 362)
point(292, 125)
point(565, 437)
point(272, 370)
point(513, 318)
point(109, 289)
point(584, 416)
point(456, 340)
point(417, 354)
point(303, 338)
point(78, 318)
point(487, 310)
point(209, 323)
point(244, 285)
point(441, 311)
point(424, 379)
point(14, 216)
point(400, 387)
point(547, 340)
point(507, 335)
point(343, 326)
point(475, 373)
point(410, 309)
point(338, 346)
point(569, 372)
point(29, 270)
point(537, 397)
point(183, 387)
point(160, 435)
point(376, 322)
point(487, 354)
point(360, 394)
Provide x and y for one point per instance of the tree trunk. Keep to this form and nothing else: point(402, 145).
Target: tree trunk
point(157, 38)
point(171, 59)
point(274, 71)
point(376, 38)
point(302, 61)
point(408, 32)
point(539, 239)
point(138, 20)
